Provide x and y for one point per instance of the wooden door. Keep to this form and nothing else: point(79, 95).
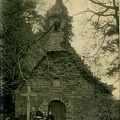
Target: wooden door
point(58, 110)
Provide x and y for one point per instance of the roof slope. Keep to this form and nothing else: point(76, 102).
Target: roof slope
point(83, 69)
point(87, 74)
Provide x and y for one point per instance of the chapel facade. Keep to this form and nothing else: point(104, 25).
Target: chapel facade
point(59, 80)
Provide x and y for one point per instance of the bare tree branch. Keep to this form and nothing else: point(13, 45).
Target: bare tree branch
point(101, 13)
point(98, 48)
point(66, 1)
point(79, 13)
point(87, 22)
point(102, 4)
point(97, 13)
point(21, 71)
point(116, 13)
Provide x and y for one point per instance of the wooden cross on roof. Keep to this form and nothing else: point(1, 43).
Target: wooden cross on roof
point(28, 94)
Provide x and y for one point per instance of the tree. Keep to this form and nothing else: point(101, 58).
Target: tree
point(104, 21)
point(103, 16)
point(18, 19)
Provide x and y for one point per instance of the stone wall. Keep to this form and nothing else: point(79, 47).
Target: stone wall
point(58, 78)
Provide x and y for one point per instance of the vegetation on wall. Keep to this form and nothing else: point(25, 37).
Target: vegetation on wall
point(19, 34)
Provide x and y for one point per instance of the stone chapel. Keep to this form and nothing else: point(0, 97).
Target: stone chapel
point(60, 82)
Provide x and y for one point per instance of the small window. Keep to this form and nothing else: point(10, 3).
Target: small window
point(56, 82)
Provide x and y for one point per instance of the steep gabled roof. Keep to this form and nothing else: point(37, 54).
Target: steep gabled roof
point(83, 69)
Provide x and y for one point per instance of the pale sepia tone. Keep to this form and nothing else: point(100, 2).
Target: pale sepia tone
point(57, 61)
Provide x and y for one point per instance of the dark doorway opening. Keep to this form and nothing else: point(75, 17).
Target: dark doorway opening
point(58, 109)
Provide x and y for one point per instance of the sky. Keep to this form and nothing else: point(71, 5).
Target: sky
point(83, 37)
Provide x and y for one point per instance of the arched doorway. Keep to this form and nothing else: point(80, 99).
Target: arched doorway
point(58, 109)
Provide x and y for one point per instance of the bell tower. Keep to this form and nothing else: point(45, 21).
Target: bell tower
point(57, 22)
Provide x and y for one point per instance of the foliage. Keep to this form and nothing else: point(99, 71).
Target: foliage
point(103, 16)
point(18, 19)
point(108, 108)
point(19, 34)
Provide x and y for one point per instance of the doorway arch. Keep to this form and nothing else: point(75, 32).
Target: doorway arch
point(58, 109)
